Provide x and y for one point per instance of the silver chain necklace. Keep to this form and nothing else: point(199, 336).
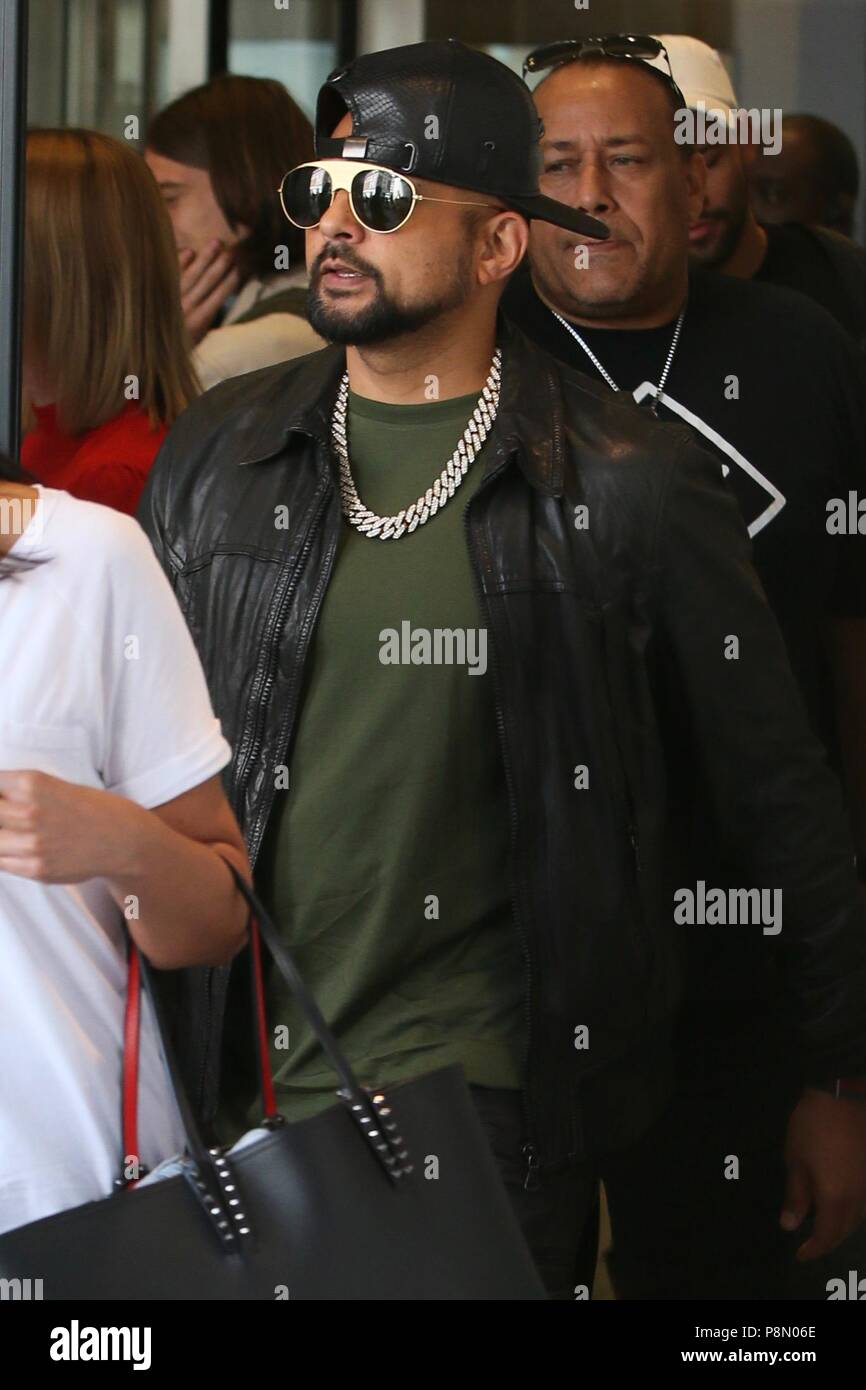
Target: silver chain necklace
point(654, 408)
point(391, 528)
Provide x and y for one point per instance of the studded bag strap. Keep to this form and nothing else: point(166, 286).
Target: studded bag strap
point(366, 1110)
point(209, 1171)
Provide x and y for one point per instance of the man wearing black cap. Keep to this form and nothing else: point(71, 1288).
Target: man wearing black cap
point(444, 708)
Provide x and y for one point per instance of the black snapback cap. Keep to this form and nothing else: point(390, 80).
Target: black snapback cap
point(445, 112)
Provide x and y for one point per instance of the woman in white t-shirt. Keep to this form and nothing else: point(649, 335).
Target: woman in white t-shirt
point(111, 807)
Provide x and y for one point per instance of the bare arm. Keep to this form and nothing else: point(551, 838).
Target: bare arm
point(164, 865)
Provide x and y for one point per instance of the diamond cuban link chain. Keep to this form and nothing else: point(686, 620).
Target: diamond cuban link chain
point(387, 528)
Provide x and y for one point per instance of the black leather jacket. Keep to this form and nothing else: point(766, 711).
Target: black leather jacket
point(606, 550)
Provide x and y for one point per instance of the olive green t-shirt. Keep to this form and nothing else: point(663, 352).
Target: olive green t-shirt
point(386, 860)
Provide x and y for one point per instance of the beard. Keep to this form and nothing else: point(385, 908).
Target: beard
point(732, 221)
point(384, 318)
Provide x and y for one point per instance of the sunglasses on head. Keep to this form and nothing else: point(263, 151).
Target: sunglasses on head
point(380, 199)
point(639, 48)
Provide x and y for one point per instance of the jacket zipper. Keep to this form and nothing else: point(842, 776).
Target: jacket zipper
point(259, 699)
point(531, 1181)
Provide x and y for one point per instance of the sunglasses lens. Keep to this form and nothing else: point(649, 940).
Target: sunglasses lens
point(549, 56)
point(382, 200)
point(614, 45)
point(306, 194)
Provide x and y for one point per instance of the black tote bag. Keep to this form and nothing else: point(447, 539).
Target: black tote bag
point(391, 1196)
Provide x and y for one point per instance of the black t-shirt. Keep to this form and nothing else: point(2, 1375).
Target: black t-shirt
point(777, 391)
point(823, 265)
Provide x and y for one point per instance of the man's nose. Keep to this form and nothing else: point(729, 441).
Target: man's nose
point(592, 191)
point(339, 222)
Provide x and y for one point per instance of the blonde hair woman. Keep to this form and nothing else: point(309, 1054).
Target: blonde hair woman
point(107, 356)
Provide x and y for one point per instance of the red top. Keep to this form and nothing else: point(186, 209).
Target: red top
point(108, 464)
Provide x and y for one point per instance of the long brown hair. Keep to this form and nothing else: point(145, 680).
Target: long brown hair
point(247, 132)
point(101, 292)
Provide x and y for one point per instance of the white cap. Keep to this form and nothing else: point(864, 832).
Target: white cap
point(698, 71)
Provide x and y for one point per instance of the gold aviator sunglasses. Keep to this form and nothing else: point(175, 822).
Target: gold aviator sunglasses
point(381, 199)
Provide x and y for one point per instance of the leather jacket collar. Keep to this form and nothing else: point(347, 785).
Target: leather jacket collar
point(529, 422)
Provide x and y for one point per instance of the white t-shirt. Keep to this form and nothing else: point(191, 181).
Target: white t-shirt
point(99, 684)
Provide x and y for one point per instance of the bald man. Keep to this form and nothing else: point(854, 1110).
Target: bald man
point(773, 386)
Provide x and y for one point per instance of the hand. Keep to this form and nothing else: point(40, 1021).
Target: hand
point(58, 832)
point(825, 1153)
point(207, 278)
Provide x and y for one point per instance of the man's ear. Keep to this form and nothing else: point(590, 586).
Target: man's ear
point(505, 238)
point(696, 183)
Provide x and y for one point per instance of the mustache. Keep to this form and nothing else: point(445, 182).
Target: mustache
point(590, 241)
point(347, 257)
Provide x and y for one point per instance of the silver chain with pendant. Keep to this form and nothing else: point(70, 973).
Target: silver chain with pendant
point(569, 328)
point(391, 528)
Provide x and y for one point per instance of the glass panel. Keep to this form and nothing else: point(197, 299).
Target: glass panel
point(46, 65)
point(296, 45)
point(90, 62)
point(533, 22)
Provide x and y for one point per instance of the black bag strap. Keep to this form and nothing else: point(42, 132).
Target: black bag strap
point(370, 1111)
point(195, 1143)
point(284, 962)
point(210, 1171)
point(209, 1174)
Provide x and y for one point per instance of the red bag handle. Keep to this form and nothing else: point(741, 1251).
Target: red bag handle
point(131, 1054)
point(132, 1051)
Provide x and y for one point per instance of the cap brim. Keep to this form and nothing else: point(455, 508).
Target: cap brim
point(538, 206)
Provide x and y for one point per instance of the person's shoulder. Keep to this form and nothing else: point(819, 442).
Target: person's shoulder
point(763, 316)
point(612, 419)
point(846, 262)
point(228, 419)
point(253, 395)
point(131, 428)
point(247, 346)
point(281, 329)
point(826, 241)
point(610, 441)
point(94, 538)
point(711, 292)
